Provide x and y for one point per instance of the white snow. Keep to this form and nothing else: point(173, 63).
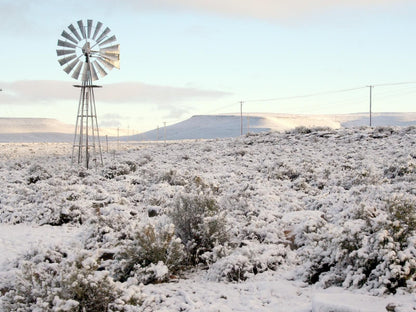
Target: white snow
point(17, 239)
point(336, 300)
point(287, 198)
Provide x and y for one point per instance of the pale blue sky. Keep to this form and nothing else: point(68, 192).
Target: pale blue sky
point(181, 58)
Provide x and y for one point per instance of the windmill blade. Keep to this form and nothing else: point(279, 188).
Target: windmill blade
point(67, 59)
point(64, 52)
point(93, 72)
point(100, 69)
point(74, 31)
point(102, 36)
point(66, 44)
point(115, 49)
point(97, 30)
point(71, 66)
point(109, 64)
point(89, 28)
point(111, 56)
point(69, 37)
point(114, 62)
point(81, 28)
point(84, 76)
point(108, 41)
point(77, 70)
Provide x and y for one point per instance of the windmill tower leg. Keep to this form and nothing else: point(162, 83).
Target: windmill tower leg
point(95, 130)
point(87, 145)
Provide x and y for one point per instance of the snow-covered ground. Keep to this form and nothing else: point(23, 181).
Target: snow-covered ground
point(304, 212)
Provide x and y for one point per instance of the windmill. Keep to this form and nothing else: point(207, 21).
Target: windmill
point(86, 51)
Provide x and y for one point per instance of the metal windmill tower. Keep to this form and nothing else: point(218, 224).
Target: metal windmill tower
point(84, 52)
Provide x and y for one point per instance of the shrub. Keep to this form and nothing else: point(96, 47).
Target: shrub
point(37, 173)
point(200, 225)
point(119, 169)
point(246, 261)
point(300, 130)
point(153, 273)
point(400, 170)
point(374, 249)
point(151, 245)
point(172, 178)
point(51, 282)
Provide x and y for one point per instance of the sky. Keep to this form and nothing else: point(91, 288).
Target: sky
point(181, 58)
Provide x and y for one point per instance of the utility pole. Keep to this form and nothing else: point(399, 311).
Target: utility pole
point(241, 117)
point(118, 138)
point(371, 100)
point(164, 130)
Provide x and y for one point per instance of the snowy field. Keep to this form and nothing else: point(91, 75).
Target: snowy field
point(305, 221)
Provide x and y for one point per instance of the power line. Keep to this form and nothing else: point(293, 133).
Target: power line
point(221, 108)
point(310, 95)
point(241, 117)
point(330, 92)
point(305, 95)
point(394, 83)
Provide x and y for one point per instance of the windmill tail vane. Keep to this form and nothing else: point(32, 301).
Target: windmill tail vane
point(87, 51)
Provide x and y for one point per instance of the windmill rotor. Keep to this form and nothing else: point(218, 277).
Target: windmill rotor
point(88, 50)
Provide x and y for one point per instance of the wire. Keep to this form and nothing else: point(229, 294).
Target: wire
point(221, 108)
point(325, 103)
point(330, 92)
point(305, 95)
point(393, 84)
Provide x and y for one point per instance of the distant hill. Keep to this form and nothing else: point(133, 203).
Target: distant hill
point(229, 125)
point(201, 126)
point(34, 130)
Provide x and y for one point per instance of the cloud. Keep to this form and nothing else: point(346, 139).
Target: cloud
point(50, 91)
point(35, 92)
point(162, 95)
point(169, 102)
point(111, 120)
point(263, 9)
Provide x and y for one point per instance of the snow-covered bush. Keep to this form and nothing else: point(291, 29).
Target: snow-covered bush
point(284, 172)
point(119, 169)
point(153, 273)
point(200, 224)
point(151, 248)
point(374, 248)
point(246, 261)
point(172, 178)
point(52, 281)
point(37, 173)
point(111, 227)
point(400, 170)
point(307, 130)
